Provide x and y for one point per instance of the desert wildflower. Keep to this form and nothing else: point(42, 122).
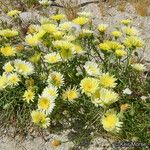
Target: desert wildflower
point(49, 28)
point(110, 121)
point(126, 21)
point(29, 95)
point(8, 33)
point(120, 53)
point(102, 28)
point(13, 13)
point(116, 34)
point(35, 58)
point(104, 97)
point(8, 51)
point(40, 118)
point(108, 81)
point(13, 79)
point(105, 47)
point(139, 67)
point(81, 20)
point(56, 79)
point(32, 40)
point(130, 31)
point(92, 68)
point(66, 26)
point(58, 17)
point(23, 67)
point(84, 14)
point(133, 42)
point(46, 104)
point(3, 81)
point(86, 33)
point(51, 92)
point(124, 107)
point(8, 67)
point(115, 45)
point(78, 49)
point(52, 58)
point(56, 142)
point(89, 85)
point(71, 94)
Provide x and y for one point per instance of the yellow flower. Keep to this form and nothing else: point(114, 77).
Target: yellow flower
point(107, 81)
point(52, 58)
point(124, 107)
point(89, 85)
point(40, 118)
point(56, 79)
point(105, 47)
point(49, 28)
point(86, 33)
point(71, 94)
point(51, 92)
point(133, 42)
point(33, 28)
point(91, 68)
point(81, 20)
point(104, 97)
point(8, 33)
point(115, 45)
point(57, 35)
point(116, 34)
point(13, 13)
point(56, 143)
point(13, 79)
point(29, 95)
point(110, 121)
point(120, 53)
point(66, 26)
point(8, 67)
point(23, 67)
point(46, 104)
point(78, 49)
point(102, 28)
point(3, 81)
point(126, 21)
point(8, 51)
point(130, 31)
point(32, 40)
point(58, 17)
point(139, 67)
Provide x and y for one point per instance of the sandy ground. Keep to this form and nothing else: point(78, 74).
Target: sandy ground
point(112, 17)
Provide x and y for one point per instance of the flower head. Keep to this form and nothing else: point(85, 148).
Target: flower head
point(120, 53)
point(51, 92)
point(8, 67)
point(3, 81)
point(130, 31)
point(110, 121)
point(29, 95)
point(52, 58)
point(8, 33)
point(81, 20)
point(40, 118)
point(133, 42)
point(8, 51)
point(58, 17)
point(89, 85)
point(56, 79)
point(13, 13)
point(108, 81)
point(46, 104)
point(70, 94)
point(102, 28)
point(104, 97)
point(139, 67)
point(13, 79)
point(49, 28)
point(116, 34)
point(32, 40)
point(92, 68)
point(126, 21)
point(23, 67)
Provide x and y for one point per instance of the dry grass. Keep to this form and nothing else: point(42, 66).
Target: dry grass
point(141, 6)
point(71, 8)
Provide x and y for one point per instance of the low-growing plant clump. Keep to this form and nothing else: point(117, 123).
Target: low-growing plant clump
point(75, 75)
